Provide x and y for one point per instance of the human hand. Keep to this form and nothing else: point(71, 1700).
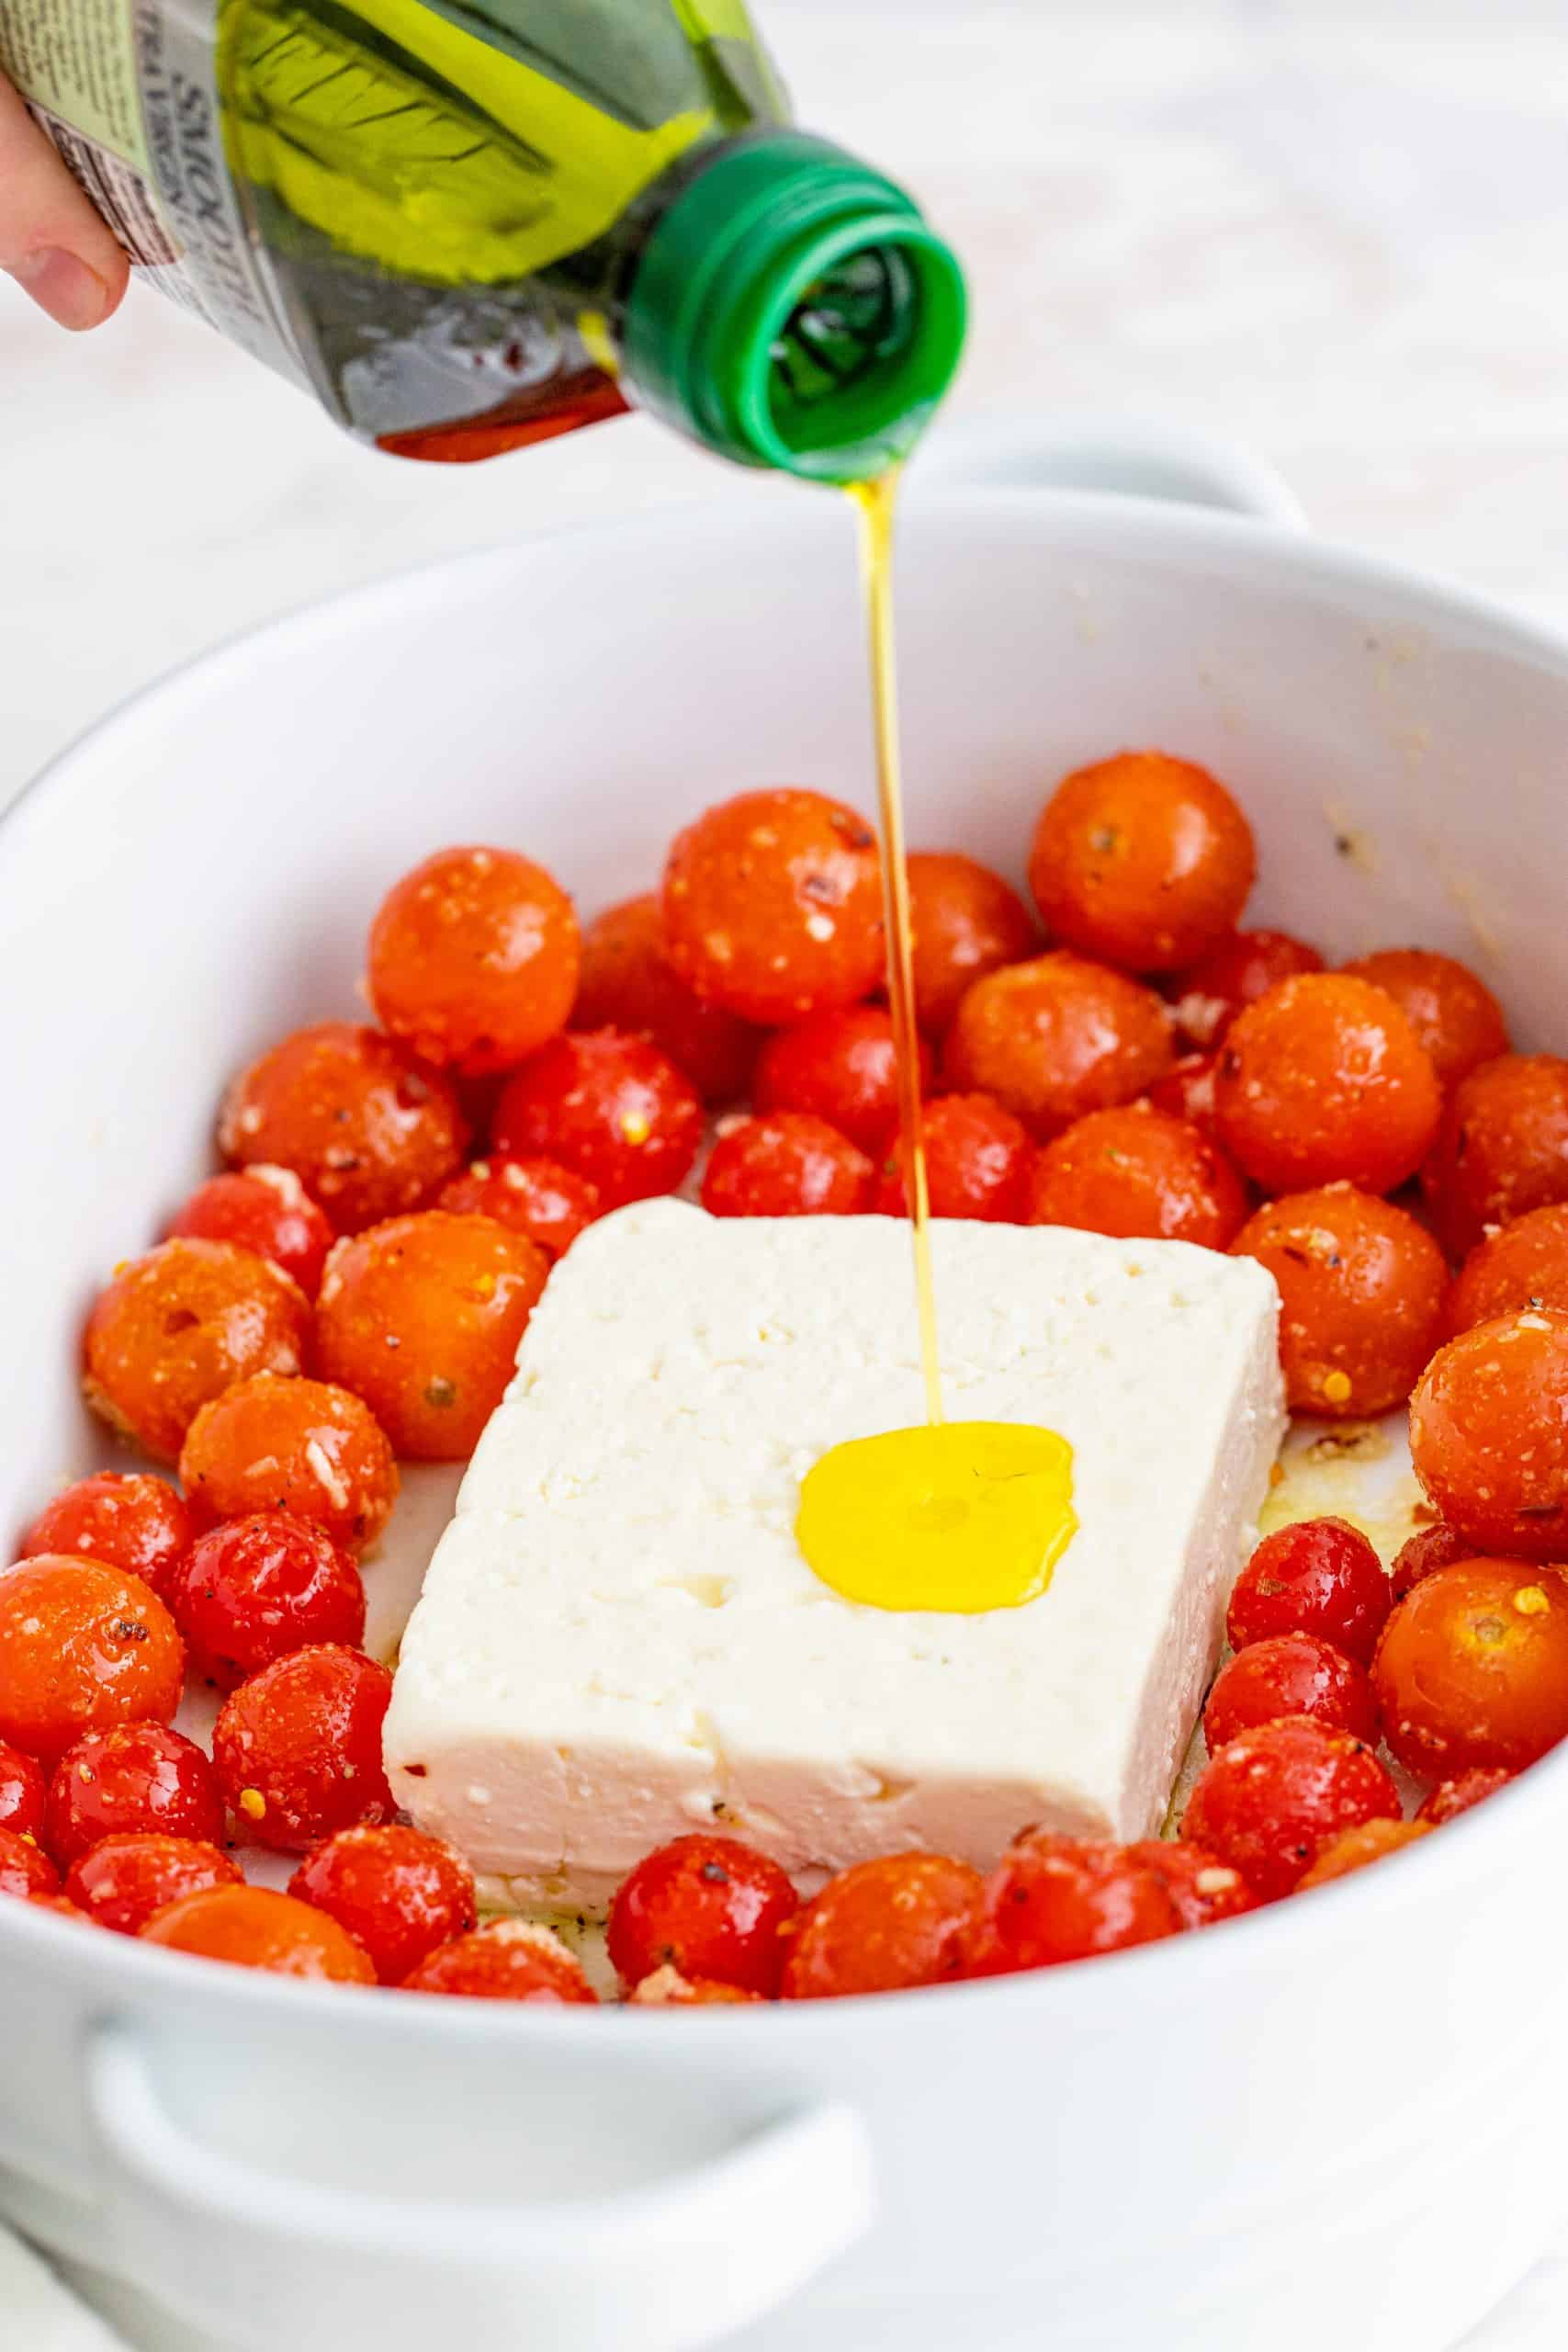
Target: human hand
point(52, 241)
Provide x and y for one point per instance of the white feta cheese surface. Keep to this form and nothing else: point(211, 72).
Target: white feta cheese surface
point(619, 1640)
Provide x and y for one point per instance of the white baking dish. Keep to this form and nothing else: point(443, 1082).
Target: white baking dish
point(1337, 2121)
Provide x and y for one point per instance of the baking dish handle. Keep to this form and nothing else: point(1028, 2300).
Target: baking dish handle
point(269, 2260)
point(1139, 459)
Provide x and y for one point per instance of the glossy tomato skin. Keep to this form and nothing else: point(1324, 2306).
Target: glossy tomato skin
point(1052, 1899)
point(1234, 974)
point(1058, 1038)
point(1142, 860)
point(1451, 1798)
point(256, 1590)
point(1269, 1802)
point(841, 1065)
point(175, 1329)
point(1317, 1576)
point(1454, 1012)
point(1489, 1434)
point(1522, 1265)
point(668, 1989)
point(707, 1905)
point(1290, 1674)
point(1363, 1296)
point(785, 1163)
point(1138, 1174)
point(24, 1793)
point(544, 1202)
point(628, 983)
point(82, 1645)
point(1502, 1149)
point(1324, 1080)
point(1431, 1548)
point(125, 1879)
point(127, 1519)
point(131, 1776)
point(1473, 1668)
point(771, 905)
point(472, 959)
point(421, 1317)
point(979, 1161)
point(297, 1749)
point(252, 1927)
point(265, 1209)
point(880, 1926)
point(612, 1108)
point(966, 921)
point(25, 1869)
point(370, 1131)
point(300, 1447)
point(396, 1891)
point(509, 1960)
point(1352, 1849)
point(1188, 1090)
point(1201, 1888)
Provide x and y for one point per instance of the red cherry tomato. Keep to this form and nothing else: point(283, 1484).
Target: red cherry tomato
point(1451, 1798)
point(785, 1164)
point(1502, 1149)
point(1055, 1038)
point(1428, 1548)
point(668, 1989)
point(966, 921)
point(1473, 1668)
point(1201, 1888)
point(25, 1869)
point(1352, 1849)
point(1451, 1009)
point(299, 1446)
point(130, 1777)
point(472, 959)
point(1053, 1898)
point(1521, 1265)
point(1269, 1802)
point(24, 1793)
point(841, 1065)
point(709, 1907)
point(1318, 1576)
point(82, 1645)
point(252, 1927)
point(903, 1919)
point(1290, 1674)
point(509, 1960)
point(125, 1880)
point(1322, 1079)
point(536, 1198)
point(610, 1108)
point(979, 1159)
point(1138, 1174)
point(1489, 1434)
point(397, 1893)
point(1143, 860)
point(265, 1209)
point(257, 1589)
point(628, 983)
point(127, 1520)
point(298, 1748)
point(1233, 975)
point(1188, 1090)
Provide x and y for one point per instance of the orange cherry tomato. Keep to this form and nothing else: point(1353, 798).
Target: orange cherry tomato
point(127, 1519)
point(1201, 1888)
point(1052, 1899)
point(265, 1209)
point(1473, 1668)
point(1139, 1174)
point(298, 1747)
point(1352, 1849)
point(966, 921)
point(1269, 1802)
point(1489, 1434)
point(82, 1645)
point(628, 983)
point(668, 1989)
point(396, 1891)
point(129, 1878)
point(130, 1777)
point(1233, 975)
point(841, 1065)
point(301, 1446)
point(177, 1327)
point(1502, 1149)
point(538, 1198)
point(773, 905)
point(1142, 860)
point(1521, 1265)
point(903, 1919)
point(509, 1960)
point(1323, 1079)
point(979, 1159)
point(613, 1109)
point(1055, 1038)
point(423, 1317)
point(252, 1927)
point(707, 1905)
point(1363, 1297)
point(785, 1164)
point(1454, 1012)
point(473, 959)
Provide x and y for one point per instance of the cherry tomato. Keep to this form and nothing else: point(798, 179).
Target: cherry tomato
point(1269, 1802)
point(1317, 1576)
point(1451, 1798)
point(1324, 1079)
point(903, 1919)
point(1053, 1898)
point(265, 1209)
point(509, 1960)
point(24, 1793)
point(1143, 860)
point(1431, 1548)
point(1363, 1297)
point(668, 1989)
point(1139, 1174)
point(130, 1777)
point(628, 983)
point(538, 1198)
point(397, 1893)
point(841, 1065)
point(423, 1317)
point(610, 1108)
point(773, 905)
point(25, 1869)
point(965, 922)
point(1233, 975)
point(785, 1164)
point(1522, 1265)
point(298, 1748)
point(128, 1520)
point(1352, 1849)
point(82, 1645)
point(181, 1325)
point(472, 959)
point(1502, 1149)
point(1201, 1888)
point(127, 1879)
point(370, 1131)
point(292, 1445)
point(707, 1905)
point(252, 1927)
point(1454, 1012)
point(1188, 1090)
point(1290, 1674)
point(257, 1589)
point(978, 1162)
point(1489, 1434)
point(1473, 1668)
point(1056, 1037)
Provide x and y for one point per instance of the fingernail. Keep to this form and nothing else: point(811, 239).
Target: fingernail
point(73, 295)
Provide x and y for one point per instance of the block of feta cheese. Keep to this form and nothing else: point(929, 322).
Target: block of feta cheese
point(619, 1641)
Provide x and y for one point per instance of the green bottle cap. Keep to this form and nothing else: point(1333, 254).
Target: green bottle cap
point(792, 308)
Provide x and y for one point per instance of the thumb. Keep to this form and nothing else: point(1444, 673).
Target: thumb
point(52, 241)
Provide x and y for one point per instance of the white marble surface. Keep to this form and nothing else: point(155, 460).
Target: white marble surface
point(1336, 231)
